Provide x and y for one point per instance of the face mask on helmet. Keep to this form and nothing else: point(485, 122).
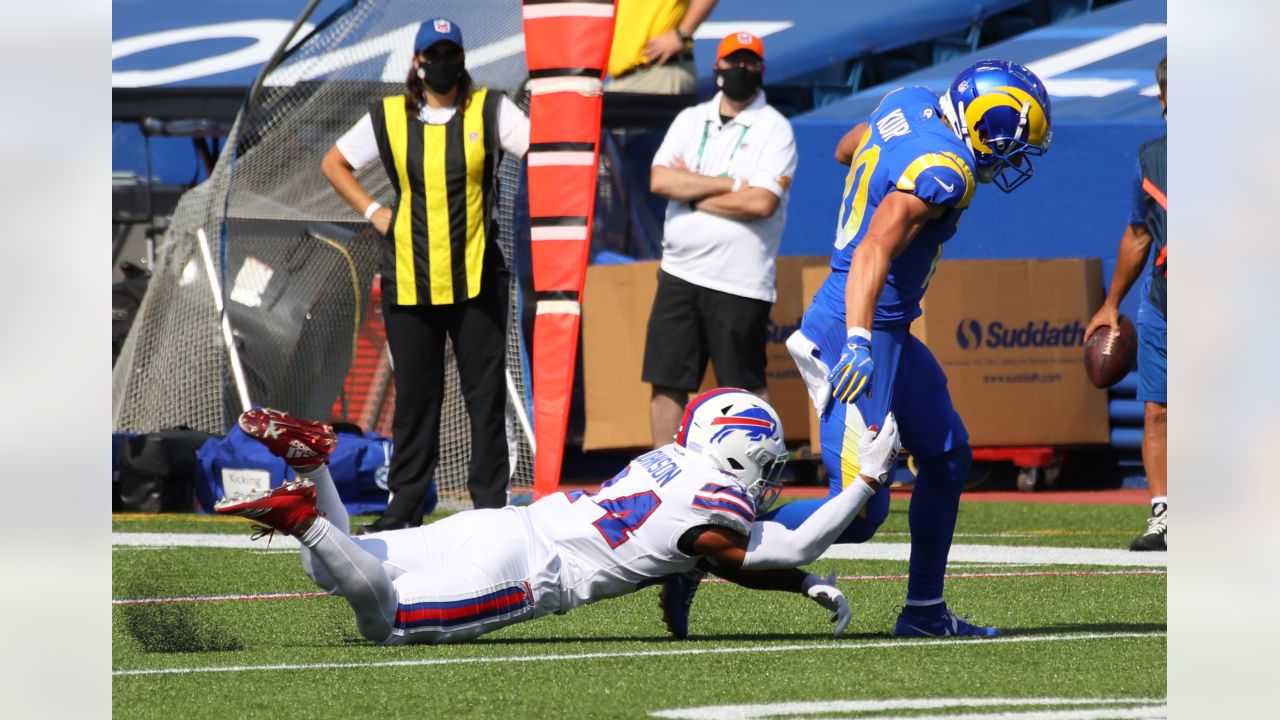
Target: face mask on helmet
point(741, 435)
point(765, 490)
point(1001, 112)
point(1008, 162)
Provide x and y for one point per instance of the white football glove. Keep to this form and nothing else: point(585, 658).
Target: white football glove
point(878, 449)
point(824, 592)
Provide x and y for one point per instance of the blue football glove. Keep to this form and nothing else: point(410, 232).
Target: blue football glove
point(851, 376)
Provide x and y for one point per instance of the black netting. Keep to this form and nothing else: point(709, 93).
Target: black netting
point(297, 265)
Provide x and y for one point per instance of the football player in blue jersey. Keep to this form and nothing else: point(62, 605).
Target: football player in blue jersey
point(913, 169)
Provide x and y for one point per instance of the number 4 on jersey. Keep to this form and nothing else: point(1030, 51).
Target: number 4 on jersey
point(624, 515)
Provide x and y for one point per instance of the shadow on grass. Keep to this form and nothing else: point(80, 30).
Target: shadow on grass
point(1082, 628)
point(691, 641)
point(175, 627)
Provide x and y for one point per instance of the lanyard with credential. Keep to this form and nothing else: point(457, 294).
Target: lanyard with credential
point(706, 128)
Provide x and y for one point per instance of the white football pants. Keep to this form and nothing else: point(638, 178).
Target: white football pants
point(452, 580)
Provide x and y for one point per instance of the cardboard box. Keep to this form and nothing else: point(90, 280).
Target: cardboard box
point(1009, 334)
point(617, 300)
point(615, 317)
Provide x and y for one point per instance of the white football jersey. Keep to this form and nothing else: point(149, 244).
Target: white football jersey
point(624, 535)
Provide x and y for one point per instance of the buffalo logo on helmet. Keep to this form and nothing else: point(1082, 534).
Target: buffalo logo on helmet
point(754, 421)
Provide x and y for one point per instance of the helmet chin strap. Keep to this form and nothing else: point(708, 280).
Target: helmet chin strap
point(1022, 120)
point(953, 116)
point(949, 113)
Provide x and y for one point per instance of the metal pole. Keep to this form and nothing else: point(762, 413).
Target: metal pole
point(237, 370)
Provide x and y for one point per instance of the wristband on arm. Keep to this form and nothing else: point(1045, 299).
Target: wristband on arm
point(374, 207)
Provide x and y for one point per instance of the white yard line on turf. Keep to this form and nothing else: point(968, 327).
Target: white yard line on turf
point(1005, 554)
point(991, 575)
point(214, 598)
point(1148, 712)
point(206, 540)
point(844, 707)
point(631, 654)
point(993, 554)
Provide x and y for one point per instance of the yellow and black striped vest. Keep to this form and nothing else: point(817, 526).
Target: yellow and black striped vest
point(442, 219)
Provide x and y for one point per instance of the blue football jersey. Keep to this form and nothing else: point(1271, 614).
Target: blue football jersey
point(908, 148)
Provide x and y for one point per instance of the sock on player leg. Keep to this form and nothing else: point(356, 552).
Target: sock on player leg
point(1159, 505)
point(935, 503)
point(925, 609)
point(358, 576)
point(327, 501)
point(330, 507)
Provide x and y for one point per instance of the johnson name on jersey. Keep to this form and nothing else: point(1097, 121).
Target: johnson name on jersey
point(907, 148)
point(626, 533)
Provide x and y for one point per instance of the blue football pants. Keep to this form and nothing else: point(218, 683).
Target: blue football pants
point(908, 381)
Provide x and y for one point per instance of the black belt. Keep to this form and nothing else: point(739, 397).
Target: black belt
point(686, 55)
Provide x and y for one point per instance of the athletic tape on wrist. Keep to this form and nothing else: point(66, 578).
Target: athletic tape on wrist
point(861, 332)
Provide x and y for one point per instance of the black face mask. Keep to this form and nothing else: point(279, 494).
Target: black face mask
point(738, 83)
point(442, 75)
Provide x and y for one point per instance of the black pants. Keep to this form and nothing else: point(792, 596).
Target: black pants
point(415, 336)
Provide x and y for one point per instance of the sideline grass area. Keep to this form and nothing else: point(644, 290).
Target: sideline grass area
point(1012, 523)
point(1092, 636)
point(1016, 523)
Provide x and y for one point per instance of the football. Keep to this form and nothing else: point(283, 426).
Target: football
point(1109, 353)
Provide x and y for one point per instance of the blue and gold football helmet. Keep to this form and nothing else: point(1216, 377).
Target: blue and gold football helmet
point(1000, 109)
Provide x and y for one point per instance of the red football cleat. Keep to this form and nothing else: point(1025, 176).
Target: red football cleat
point(283, 508)
point(296, 441)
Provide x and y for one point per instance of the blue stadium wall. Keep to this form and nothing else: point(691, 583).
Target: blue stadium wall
point(1077, 203)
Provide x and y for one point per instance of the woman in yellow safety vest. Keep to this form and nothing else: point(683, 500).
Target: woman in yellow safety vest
point(442, 271)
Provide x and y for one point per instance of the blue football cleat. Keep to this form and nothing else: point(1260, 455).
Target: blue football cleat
point(930, 622)
point(676, 598)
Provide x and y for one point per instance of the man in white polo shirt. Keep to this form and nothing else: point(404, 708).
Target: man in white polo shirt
point(724, 166)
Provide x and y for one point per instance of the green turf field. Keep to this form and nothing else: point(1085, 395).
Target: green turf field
point(1084, 638)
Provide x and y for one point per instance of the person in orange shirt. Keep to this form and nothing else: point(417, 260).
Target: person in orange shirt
point(653, 46)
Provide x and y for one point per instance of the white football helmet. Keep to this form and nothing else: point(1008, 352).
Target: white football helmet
point(740, 434)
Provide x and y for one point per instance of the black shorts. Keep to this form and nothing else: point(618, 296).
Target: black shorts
point(691, 324)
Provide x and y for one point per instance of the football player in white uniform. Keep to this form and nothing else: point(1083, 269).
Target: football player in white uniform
point(476, 571)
